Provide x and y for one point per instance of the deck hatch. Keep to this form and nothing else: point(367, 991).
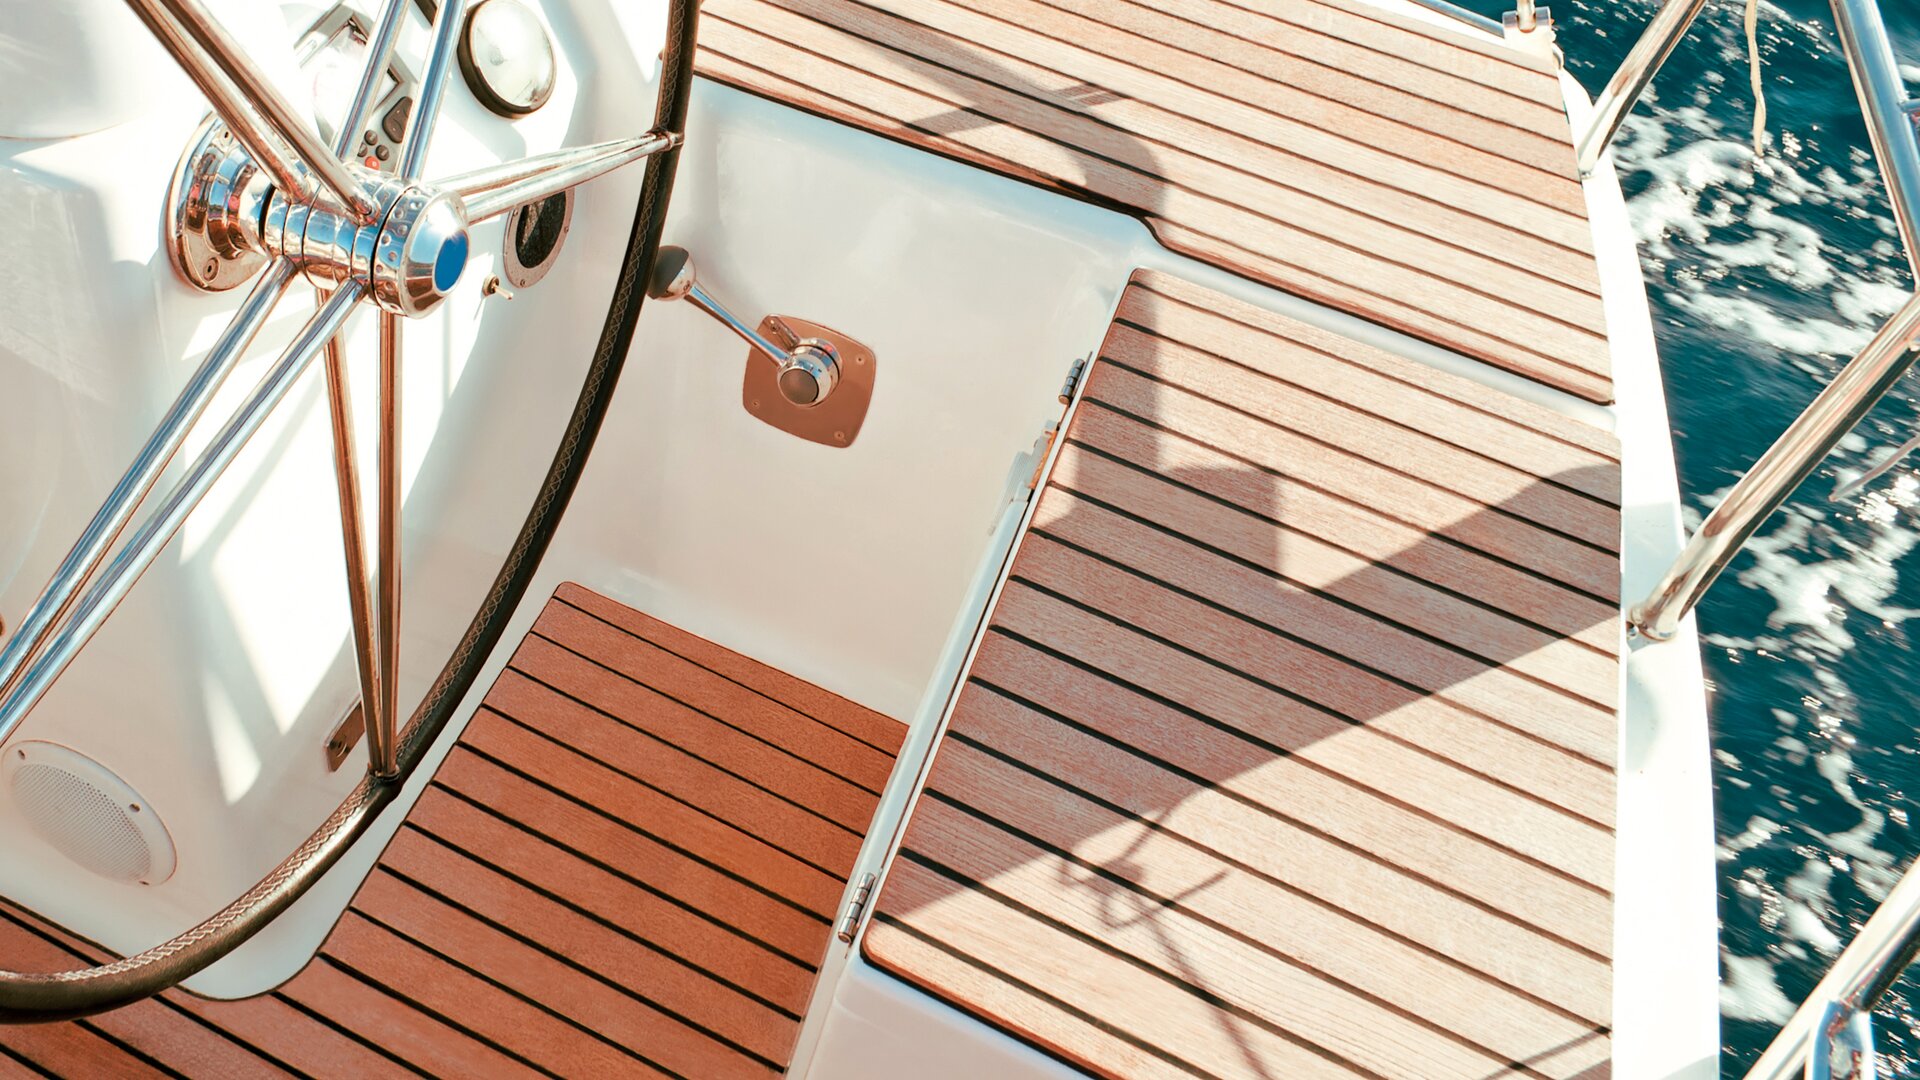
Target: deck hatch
point(1289, 749)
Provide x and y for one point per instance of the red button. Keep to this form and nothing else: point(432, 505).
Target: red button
point(372, 162)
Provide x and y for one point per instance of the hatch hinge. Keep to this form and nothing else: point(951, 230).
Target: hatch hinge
point(1074, 374)
point(849, 923)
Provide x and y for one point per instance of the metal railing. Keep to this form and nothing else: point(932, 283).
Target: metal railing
point(1833, 1031)
point(1831, 1035)
point(1455, 11)
point(1891, 117)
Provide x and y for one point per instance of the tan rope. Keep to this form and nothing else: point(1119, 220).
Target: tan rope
point(1759, 87)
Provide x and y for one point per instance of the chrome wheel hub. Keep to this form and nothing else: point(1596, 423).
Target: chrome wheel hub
point(227, 220)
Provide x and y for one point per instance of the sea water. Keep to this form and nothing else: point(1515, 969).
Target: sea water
point(1765, 274)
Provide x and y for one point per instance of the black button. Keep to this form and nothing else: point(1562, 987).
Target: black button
point(395, 122)
point(380, 152)
point(370, 136)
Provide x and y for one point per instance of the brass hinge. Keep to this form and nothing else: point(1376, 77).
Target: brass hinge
point(849, 923)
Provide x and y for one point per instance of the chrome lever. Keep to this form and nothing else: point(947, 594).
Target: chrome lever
point(807, 369)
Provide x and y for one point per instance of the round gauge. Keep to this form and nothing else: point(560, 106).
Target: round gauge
point(507, 57)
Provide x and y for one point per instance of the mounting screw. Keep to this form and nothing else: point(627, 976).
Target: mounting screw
point(839, 436)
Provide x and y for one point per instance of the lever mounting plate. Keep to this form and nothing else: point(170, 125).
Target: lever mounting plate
point(834, 422)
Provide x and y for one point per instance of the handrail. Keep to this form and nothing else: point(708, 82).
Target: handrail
point(1789, 461)
point(1623, 91)
point(1866, 969)
point(1831, 1034)
point(1891, 115)
point(1859, 386)
point(1471, 18)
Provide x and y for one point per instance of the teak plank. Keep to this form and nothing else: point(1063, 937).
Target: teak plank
point(609, 1016)
point(633, 854)
point(1358, 479)
point(1083, 976)
point(1166, 502)
point(1183, 128)
point(665, 766)
point(425, 1041)
point(687, 826)
point(1302, 748)
point(75, 1050)
point(799, 695)
point(1072, 1035)
point(1175, 874)
point(642, 707)
point(150, 1028)
point(447, 987)
point(1361, 638)
point(1350, 425)
point(1125, 655)
point(577, 939)
point(1172, 305)
point(1216, 204)
point(754, 713)
point(633, 910)
point(268, 1023)
point(1392, 546)
point(1331, 1016)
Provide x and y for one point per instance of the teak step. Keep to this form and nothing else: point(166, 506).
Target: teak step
point(1415, 176)
point(628, 866)
point(1289, 749)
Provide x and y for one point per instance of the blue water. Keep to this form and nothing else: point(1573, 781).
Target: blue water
point(1764, 277)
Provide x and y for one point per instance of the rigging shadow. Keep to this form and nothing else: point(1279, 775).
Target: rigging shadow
point(1205, 655)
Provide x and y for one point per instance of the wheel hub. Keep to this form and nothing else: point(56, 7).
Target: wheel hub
point(226, 219)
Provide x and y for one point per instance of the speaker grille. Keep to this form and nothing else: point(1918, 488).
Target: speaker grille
point(88, 814)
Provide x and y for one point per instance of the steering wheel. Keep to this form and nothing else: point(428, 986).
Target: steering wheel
point(262, 198)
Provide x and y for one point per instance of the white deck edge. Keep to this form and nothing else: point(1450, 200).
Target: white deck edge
point(864, 1022)
point(1666, 955)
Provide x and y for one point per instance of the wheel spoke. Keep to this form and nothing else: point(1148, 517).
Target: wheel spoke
point(486, 178)
point(249, 104)
point(112, 517)
point(433, 85)
point(494, 190)
point(226, 100)
point(161, 524)
point(379, 55)
point(385, 762)
point(353, 539)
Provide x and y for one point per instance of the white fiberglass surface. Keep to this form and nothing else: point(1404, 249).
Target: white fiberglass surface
point(212, 689)
point(844, 566)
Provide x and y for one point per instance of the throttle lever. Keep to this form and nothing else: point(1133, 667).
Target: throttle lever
point(807, 369)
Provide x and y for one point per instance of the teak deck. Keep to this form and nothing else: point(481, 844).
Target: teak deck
point(1289, 750)
point(628, 866)
point(1415, 176)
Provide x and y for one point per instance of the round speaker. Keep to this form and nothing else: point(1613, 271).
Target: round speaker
point(87, 813)
point(534, 234)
